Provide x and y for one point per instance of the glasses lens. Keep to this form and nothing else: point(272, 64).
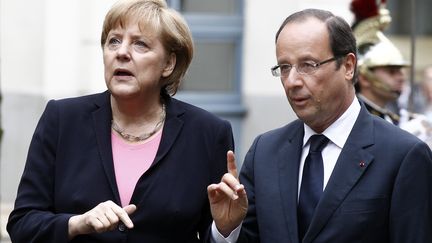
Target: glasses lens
point(275, 71)
point(285, 69)
point(306, 68)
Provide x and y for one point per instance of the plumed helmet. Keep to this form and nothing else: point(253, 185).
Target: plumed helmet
point(374, 48)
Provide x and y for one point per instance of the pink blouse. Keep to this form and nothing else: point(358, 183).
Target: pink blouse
point(131, 161)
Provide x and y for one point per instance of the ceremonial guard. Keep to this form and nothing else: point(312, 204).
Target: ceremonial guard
point(381, 69)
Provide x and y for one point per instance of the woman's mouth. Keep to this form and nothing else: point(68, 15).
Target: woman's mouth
point(122, 74)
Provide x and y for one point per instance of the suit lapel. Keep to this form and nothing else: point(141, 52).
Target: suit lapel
point(172, 127)
point(350, 166)
point(102, 117)
point(102, 125)
point(288, 163)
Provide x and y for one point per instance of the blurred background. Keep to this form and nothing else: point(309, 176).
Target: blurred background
point(50, 49)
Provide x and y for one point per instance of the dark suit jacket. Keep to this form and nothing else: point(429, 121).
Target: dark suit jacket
point(69, 170)
point(380, 189)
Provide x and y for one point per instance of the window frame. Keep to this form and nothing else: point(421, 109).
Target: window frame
point(207, 27)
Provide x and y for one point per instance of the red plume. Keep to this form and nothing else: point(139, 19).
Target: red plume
point(363, 9)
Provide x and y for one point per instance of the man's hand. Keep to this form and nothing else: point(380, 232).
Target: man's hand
point(103, 217)
point(228, 199)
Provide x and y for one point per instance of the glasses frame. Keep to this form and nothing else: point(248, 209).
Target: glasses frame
point(315, 66)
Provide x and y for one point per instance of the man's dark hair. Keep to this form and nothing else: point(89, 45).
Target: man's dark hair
point(342, 40)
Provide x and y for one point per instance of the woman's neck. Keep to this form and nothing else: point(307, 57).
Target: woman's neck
point(131, 110)
point(137, 118)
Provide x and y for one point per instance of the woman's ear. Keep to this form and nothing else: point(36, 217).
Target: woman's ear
point(169, 65)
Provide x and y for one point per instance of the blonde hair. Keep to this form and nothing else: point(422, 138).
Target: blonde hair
point(167, 23)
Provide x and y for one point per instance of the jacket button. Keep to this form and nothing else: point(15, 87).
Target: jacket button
point(121, 227)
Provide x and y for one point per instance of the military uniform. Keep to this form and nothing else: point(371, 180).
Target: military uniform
point(376, 50)
point(378, 111)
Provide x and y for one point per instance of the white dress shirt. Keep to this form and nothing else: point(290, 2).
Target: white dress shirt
point(337, 133)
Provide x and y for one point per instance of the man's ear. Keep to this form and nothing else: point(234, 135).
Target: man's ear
point(169, 65)
point(350, 64)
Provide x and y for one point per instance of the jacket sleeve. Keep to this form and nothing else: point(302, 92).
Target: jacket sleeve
point(34, 218)
point(249, 231)
point(223, 141)
point(411, 204)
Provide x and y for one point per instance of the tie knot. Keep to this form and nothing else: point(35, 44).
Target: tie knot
point(318, 142)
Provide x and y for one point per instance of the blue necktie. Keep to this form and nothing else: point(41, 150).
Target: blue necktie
point(312, 183)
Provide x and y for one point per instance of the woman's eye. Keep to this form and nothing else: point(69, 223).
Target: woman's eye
point(113, 41)
point(141, 44)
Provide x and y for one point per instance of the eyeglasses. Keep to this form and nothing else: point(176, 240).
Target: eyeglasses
point(283, 70)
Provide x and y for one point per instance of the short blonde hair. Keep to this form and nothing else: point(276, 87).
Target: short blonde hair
point(168, 24)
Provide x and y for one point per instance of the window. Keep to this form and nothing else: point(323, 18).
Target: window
point(213, 81)
point(213, 67)
point(209, 6)
point(400, 11)
point(217, 28)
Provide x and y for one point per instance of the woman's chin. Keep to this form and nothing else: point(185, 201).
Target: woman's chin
point(124, 93)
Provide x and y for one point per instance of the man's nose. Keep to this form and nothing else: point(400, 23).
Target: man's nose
point(293, 79)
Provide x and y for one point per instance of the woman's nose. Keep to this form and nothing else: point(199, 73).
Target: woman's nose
point(123, 51)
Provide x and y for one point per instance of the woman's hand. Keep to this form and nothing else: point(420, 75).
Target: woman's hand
point(228, 200)
point(104, 217)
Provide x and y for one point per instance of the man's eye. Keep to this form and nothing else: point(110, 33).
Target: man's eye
point(307, 64)
point(285, 68)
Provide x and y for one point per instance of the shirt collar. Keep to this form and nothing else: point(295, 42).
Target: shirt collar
point(339, 130)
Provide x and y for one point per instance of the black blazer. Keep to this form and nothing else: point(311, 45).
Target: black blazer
point(380, 190)
point(69, 170)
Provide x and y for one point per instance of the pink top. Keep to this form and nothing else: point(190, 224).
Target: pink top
point(131, 161)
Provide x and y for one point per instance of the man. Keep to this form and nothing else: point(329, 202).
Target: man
point(374, 180)
point(381, 77)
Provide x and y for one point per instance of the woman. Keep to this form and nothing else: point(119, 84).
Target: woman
point(131, 164)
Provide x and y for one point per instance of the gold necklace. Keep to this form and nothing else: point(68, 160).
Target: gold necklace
point(132, 138)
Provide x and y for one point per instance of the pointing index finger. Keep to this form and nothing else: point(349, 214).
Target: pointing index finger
point(123, 216)
point(231, 165)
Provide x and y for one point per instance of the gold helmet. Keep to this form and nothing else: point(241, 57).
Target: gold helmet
point(374, 48)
